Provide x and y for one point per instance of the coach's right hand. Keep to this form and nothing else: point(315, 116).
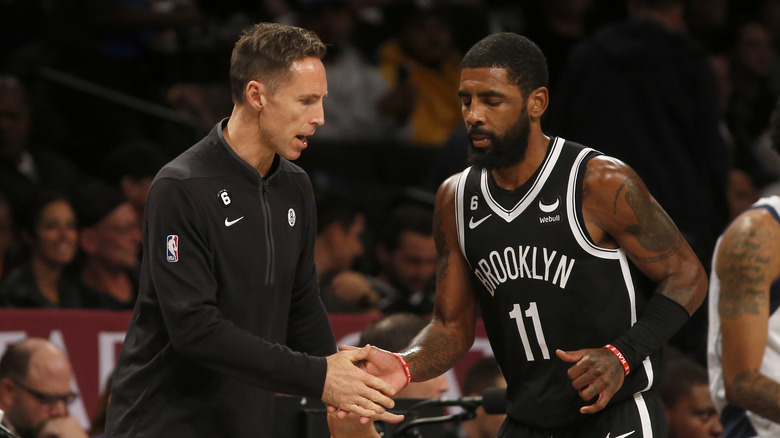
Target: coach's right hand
point(352, 389)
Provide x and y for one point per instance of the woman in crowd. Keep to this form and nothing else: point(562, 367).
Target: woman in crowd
point(50, 234)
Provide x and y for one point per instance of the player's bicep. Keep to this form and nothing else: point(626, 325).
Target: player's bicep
point(624, 208)
point(639, 224)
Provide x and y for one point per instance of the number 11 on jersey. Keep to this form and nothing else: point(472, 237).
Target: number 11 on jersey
point(533, 313)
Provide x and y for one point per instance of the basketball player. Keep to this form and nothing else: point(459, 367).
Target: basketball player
point(580, 275)
point(743, 347)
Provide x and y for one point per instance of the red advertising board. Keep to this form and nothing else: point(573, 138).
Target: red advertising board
point(92, 340)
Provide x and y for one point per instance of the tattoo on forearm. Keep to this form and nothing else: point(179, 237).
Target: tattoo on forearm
point(654, 230)
point(758, 394)
point(744, 266)
point(443, 253)
point(440, 352)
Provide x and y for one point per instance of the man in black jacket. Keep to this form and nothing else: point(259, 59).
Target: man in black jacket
point(229, 310)
point(644, 92)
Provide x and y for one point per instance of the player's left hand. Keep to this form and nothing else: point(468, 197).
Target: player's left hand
point(596, 372)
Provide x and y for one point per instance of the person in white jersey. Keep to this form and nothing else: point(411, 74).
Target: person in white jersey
point(743, 347)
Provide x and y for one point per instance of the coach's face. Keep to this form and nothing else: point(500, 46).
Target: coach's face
point(496, 117)
point(292, 113)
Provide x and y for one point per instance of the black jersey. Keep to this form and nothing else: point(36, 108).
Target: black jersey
point(544, 285)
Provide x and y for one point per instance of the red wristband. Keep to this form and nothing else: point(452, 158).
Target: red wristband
point(406, 368)
point(620, 357)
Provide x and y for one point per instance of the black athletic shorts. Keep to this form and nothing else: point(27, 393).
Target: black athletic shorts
point(639, 417)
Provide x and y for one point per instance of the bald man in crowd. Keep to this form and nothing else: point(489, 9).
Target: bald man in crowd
point(35, 391)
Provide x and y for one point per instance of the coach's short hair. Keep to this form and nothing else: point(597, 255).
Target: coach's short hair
point(523, 60)
point(266, 51)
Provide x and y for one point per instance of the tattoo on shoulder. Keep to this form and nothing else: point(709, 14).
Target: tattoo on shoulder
point(617, 194)
point(744, 263)
point(654, 230)
point(440, 239)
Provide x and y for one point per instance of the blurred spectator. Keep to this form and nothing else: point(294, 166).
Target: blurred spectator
point(340, 226)
point(767, 154)
point(685, 391)
point(741, 192)
point(482, 374)
point(26, 168)
point(770, 142)
point(35, 391)
point(754, 97)
point(708, 20)
point(355, 85)
point(406, 256)
point(563, 24)
point(643, 92)
point(131, 167)
point(140, 43)
point(109, 239)
point(50, 234)
point(421, 63)
point(6, 233)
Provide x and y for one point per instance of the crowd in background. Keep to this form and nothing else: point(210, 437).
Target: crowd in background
point(96, 95)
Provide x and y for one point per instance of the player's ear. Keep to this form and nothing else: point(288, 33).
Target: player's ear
point(537, 102)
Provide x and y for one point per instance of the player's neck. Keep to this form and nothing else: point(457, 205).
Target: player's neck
point(515, 176)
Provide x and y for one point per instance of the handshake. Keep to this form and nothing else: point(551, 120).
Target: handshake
point(363, 381)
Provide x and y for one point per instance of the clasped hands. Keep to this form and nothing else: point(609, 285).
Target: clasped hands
point(363, 381)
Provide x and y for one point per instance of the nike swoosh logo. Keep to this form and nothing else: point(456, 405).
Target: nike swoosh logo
point(549, 209)
point(473, 224)
point(622, 436)
point(229, 223)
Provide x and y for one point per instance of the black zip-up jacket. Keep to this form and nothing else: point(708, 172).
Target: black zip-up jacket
point(228, 311)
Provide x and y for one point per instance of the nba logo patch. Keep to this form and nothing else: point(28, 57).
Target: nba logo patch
point(173, 248)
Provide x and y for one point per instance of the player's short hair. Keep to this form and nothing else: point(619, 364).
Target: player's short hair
point(522, 59)
point(266, 51)
point(481, 375)
point(682, 374)
point(394, 332)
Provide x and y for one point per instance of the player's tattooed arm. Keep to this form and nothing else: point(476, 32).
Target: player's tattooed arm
point(451, 331)
point(743, 264)
point(620, 212)
point(441, 246)
point(654, 230)
point(756, 393)
point(747, 263)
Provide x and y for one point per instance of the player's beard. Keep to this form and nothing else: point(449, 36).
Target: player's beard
point(505, 151)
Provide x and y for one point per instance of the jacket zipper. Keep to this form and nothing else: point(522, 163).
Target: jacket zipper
point(269, 248)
